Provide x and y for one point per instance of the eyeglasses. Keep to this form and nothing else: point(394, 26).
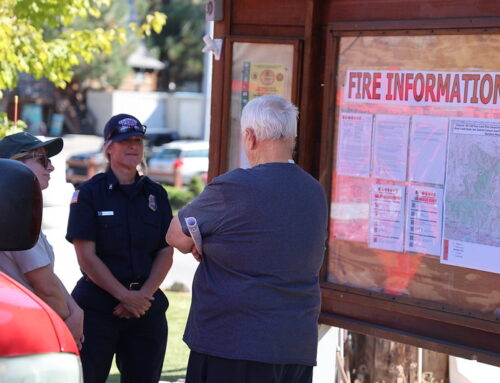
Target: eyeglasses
point(41, 158)
point(127, 129)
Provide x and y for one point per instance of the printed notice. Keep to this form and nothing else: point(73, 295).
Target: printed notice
point(428, 149)
point(471, 235)
point(424, 220)
point(386, 220)
point(350, 207)
point(390, 147)
point(354, 151)
point(259, 79)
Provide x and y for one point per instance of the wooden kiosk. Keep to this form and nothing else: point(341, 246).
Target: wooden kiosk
point(400, 121)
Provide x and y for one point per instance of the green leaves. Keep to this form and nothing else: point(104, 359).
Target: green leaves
point(26, 47)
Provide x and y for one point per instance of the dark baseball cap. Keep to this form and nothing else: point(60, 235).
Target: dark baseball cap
point(123, 126)
point(24, 142)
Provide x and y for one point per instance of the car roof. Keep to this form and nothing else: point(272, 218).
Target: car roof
point(186, 145)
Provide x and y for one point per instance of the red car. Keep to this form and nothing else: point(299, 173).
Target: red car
point(35, 344)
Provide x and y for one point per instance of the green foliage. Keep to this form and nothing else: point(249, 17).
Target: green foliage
point(179, 287)
point(7, 126)
point(40, 37)
point(178, 197)
point(180, 43)
point(195, 185)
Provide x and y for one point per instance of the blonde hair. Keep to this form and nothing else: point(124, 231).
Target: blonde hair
point(20, 156)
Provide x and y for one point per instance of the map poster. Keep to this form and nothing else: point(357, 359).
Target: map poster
point(390, 146)
point(354, 151)
point(386, 219)
point(424, 220)
point(471, 234)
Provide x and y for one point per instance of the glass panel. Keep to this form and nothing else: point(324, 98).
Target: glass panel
point(416, 182)
point(258, 69)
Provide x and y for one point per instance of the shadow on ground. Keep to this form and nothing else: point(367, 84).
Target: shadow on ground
point(166, 376)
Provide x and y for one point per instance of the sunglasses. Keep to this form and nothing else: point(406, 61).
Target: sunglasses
point(127, 129)
point(41, 158)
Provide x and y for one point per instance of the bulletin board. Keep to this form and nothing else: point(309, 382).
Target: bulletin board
point(412, 166)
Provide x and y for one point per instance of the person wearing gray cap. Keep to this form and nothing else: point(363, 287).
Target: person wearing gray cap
point(34, 268)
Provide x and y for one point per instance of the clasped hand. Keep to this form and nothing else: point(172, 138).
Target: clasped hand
point(133, 305)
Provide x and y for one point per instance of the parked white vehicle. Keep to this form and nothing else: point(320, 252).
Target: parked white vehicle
point(187, 157)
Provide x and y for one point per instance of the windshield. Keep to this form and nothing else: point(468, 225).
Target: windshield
point(169, 154)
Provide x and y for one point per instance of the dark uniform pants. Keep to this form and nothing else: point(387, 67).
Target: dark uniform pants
point(139, 345)
point(204, 368)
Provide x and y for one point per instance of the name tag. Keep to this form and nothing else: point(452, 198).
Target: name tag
point(105, 213)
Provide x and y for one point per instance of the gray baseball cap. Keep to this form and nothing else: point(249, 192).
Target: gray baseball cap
point(24, 142)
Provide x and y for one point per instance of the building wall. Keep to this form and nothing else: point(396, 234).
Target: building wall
point(182, 112)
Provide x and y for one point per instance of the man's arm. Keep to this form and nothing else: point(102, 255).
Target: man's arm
point(136, 302)
point(47, 286)
point(176, 237)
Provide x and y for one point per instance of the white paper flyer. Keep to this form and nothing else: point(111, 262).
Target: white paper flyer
point(424, 220)
point(386, 220)
point(390, 146)
point(354, 151)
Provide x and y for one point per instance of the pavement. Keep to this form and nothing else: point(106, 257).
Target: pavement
point(55, 217)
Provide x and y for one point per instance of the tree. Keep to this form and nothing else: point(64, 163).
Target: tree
point(48, 39)
point(180, 43)
point(39, 37)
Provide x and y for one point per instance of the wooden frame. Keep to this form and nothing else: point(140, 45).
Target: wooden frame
point(408, 320)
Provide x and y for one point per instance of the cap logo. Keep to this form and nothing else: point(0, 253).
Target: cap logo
point(127, 122)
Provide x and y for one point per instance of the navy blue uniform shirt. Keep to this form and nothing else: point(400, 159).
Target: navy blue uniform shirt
point(128, 223)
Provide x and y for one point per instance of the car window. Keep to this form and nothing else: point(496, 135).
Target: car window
point(195, 153)
point(169, 154)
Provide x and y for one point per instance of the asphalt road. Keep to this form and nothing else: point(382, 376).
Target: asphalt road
point(55, 217)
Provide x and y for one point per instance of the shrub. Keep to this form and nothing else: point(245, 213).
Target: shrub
point(195, 185)
point(178, 197)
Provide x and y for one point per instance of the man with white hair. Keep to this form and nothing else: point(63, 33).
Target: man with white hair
point(256, 295)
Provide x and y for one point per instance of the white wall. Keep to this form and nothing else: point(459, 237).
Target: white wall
point(101, 105)
point(183, 111)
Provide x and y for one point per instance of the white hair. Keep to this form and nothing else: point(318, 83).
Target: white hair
point(270, 117)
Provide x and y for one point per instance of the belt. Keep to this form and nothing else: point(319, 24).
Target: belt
point(134, 285)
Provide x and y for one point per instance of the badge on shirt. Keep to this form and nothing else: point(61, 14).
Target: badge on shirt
point(152, 202)
point(74, 198)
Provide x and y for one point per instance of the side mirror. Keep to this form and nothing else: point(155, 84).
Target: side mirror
point(20, 206)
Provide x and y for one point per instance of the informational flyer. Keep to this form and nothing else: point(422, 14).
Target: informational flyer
point(350, 207)
point(471, 234)
point(259, 79)
point(354, 148)
point(427, 157)
point(424, 215)
point(390, 146)
point(386, 220)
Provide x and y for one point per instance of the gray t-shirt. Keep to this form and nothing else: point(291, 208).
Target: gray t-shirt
point(16, 263)
point(256, 292)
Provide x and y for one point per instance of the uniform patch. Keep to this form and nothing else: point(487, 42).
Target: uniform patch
point(105, 213)
point(152, 202)
point(74, 198)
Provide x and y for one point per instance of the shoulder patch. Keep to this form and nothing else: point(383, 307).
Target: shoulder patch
point(74, 198)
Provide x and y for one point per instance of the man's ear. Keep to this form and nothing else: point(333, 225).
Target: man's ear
point(250, 139)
